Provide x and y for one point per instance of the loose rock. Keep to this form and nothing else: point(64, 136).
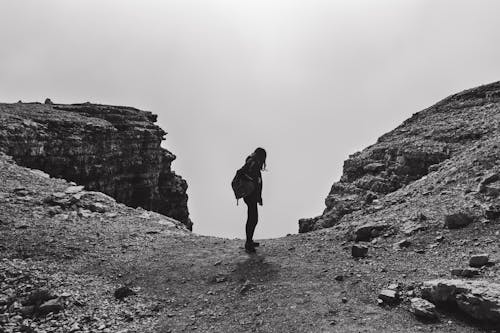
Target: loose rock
point(368, 231)
point(389, 296)
point(456, 221)
point(465, 272)
point(423, 308)
point(359, 251)
point(479, 260)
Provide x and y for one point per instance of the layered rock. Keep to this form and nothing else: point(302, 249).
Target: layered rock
point(111, 149)
point(479, 299)
point(417, 147)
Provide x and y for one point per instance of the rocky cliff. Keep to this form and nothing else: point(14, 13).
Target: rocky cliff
point(111, 149)
point(440, 137)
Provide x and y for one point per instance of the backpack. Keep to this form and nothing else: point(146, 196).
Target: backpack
point(243, 185)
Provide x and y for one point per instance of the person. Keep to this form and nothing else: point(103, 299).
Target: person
point(254, 164)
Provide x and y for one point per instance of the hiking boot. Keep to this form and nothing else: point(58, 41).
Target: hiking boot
point(249, 247)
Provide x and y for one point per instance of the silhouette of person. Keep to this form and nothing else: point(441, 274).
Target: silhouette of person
point(254, 164)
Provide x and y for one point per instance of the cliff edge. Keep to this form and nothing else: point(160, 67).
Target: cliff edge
point(436, 142)
point(111, 149)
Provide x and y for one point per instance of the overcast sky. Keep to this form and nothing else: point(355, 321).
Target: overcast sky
point(311, 81)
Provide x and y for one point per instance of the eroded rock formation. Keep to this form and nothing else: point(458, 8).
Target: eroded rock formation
point(112, 149)
point(417, 147)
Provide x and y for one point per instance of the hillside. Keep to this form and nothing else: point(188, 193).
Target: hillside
point(441, 209)
point(451, 143)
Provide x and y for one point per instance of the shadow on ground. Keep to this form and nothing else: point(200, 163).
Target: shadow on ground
point(255, 268)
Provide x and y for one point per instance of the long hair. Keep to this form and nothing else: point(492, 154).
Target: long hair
point(259, 156)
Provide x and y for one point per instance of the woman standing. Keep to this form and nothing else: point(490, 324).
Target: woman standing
point(254, 164)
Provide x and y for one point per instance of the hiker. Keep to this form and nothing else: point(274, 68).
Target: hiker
point(254, 164)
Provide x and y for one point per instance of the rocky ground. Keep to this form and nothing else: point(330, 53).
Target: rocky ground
point(422, 257)
point(77, 248)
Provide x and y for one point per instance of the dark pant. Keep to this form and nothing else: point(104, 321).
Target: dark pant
point(252, 218)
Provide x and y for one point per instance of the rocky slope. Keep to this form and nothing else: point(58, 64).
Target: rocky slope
point(112, 149)
point(435, 142)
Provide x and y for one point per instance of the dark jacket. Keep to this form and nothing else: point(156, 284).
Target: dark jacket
point(252, 170)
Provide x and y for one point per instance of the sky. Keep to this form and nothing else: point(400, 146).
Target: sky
point(311, 81)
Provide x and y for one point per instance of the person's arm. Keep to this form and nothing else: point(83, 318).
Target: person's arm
point(259, 200)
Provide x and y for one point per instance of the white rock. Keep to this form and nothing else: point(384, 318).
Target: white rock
point(73, 189)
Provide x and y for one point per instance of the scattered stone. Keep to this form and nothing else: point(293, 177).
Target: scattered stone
point(389, 296)
point(27, 311)
point(492, 211)
point(122, 292)
point(393, 286)
point(54, 305)
point(339, 278)
point(374, 167)
point(53, 211)
point(344, 300)
point(423, 308)
point(246, 287)
point(488, 179)
point(220, 279)
point(458, 220)
point(359, 251)
point(479, 260)
point(479, 299)
point(409, 228)
point(465, 272)
point(38, 297)
point(73, 189)
point(402, 244)
point(97, 207)
point(439, 238)
point(420, 251)
point(369, 230)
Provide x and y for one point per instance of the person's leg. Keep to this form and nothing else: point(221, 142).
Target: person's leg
point(252, 219)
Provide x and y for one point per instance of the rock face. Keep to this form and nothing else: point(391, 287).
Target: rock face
point(479, 299)
point(111, 149)
point(423, 144)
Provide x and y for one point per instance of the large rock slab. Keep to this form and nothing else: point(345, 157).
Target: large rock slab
point(478, 299)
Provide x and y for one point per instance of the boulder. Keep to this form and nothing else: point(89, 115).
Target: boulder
point(369, 230)
point(359, 251)
point(479, 260)
point(457, 220)
point(422, 308)
point(478, 299)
